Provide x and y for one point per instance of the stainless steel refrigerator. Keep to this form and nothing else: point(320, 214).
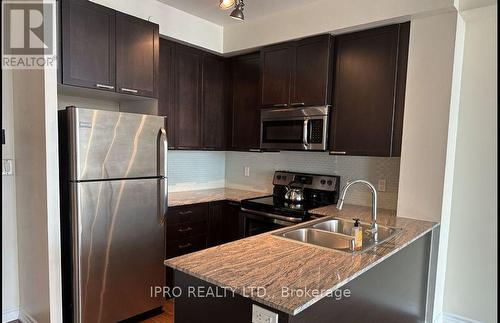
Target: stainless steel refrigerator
point(113, 206)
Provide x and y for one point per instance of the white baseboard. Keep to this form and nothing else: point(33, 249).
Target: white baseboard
point(452, 318)
point(25, 317)
point(10, 315)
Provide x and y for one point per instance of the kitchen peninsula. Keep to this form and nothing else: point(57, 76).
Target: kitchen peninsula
point(302, 283)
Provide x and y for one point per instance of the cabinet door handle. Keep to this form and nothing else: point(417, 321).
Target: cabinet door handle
point(186, 229)
point(185, 212)
point(280, 105)
point(255, 150)
point(298, 104)
point(123, 89)
point(184, 246)
point(104, 86)
point(338, 152)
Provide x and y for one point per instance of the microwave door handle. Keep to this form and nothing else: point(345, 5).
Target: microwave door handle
point(162, 172)
point(306, 133)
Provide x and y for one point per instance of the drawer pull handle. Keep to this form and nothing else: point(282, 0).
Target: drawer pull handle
point(280, 105)
point(184, 246)
point(338, 152)
point(298, 104)
point(186, 229)
point(185, 212)
point(124, 89)
point(104, 86)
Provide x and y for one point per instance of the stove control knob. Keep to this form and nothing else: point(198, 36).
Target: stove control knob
point(278, 177)
point(322, 182)
point(329, 183)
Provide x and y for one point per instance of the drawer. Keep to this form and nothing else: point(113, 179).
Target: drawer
point(187, 214)
point(186, 230)
point(181, 247)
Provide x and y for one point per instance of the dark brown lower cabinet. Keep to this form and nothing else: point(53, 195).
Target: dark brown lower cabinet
point(222, 223)
point(190, 228)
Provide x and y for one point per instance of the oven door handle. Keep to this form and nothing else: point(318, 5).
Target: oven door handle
point(306, 132)
point(283, 220)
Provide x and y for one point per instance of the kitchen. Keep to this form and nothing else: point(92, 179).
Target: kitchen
point(261, 133)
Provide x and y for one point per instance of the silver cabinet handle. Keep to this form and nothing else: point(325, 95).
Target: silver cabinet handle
point(255, 150)
point(306, 132)
point(338, 152)
point(185, 230)
point(104, 86)
point(128, 90)
point(185, 212)
point(280, 105)
point(298, 104)
point(183, 246)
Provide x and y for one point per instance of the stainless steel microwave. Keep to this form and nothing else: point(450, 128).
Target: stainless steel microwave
point(294, 128)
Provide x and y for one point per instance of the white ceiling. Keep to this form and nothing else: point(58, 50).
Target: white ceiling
point(209, 9)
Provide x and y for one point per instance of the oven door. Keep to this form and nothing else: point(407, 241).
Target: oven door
point(255, 222)
point(294, 129)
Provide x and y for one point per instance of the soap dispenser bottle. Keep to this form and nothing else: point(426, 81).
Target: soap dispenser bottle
point(357, 233)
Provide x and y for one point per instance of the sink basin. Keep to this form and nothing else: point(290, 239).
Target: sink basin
point(321, 238)
point(336, 234)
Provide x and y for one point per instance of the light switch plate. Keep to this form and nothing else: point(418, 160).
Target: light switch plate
point(262, 315)
point(381, 185)
point(7, 167)
point(247, 171)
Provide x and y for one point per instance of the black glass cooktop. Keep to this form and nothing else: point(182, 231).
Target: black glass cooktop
point(277, 205)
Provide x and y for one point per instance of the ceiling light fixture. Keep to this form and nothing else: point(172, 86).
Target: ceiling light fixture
point(238, 11)
point(226, 4)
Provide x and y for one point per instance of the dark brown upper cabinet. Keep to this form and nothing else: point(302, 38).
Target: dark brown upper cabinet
point(244, 113)
point(370, 77)
point(108, 50)
point(166, 88)
point(213, 105)
point(137, 50)
point(296, 73)
point(88, 45)
point(188, 90)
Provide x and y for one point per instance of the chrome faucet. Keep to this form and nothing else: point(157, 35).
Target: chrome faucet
point(340, 202)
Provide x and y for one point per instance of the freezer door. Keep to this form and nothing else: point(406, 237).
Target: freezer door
point(118, 248)
point(114, 145)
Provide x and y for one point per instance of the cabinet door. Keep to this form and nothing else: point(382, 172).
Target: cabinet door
point(245, 112)
point(137, 50)
point(276, 71)
point(213, 129)
point(312, 71)
point(88, 45)
point(223, 223)
point(188, 97)
point(364, 92)
point(166, 102)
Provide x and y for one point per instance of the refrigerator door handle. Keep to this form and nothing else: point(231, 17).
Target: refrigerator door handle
point(162, 171)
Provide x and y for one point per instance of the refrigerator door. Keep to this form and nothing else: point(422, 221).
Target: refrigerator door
point(118, 248)
point(114, 145)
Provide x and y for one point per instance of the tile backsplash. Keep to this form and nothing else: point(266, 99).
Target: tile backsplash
point(192, 170)
point(195, 170)
point(263, 165)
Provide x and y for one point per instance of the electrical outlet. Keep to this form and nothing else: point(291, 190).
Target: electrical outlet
point(261, 315)
point(381, 185)
point(247, 171)
point(7, 167)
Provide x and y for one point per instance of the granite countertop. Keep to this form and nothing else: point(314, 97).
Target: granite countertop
point(274, 262)
point(210, 195)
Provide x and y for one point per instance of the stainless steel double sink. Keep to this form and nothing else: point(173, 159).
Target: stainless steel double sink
point(336, 234)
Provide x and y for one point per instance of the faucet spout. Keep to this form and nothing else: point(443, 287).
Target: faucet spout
point(340, 202)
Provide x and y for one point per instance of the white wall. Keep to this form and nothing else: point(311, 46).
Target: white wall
point(10, 281)
point(173, 23)
point(263, 165)
point(425, 127)
point(324, 16)
point(471, 281)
